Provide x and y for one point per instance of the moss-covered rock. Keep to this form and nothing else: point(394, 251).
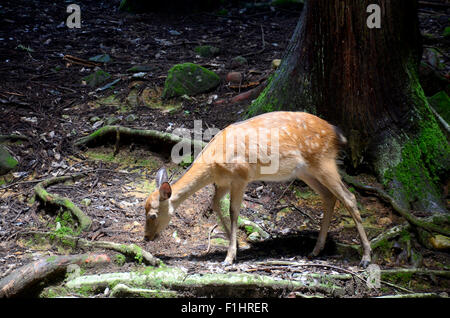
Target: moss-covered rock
point(7, 162)
point(189, 79)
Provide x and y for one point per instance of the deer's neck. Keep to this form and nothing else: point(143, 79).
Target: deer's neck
point(197, 177)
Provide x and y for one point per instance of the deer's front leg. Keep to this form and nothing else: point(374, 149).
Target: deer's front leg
point(236, 194)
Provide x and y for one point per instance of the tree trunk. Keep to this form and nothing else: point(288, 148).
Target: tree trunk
point(365, 81)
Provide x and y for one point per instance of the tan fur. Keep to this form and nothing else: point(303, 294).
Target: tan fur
point(307, 149)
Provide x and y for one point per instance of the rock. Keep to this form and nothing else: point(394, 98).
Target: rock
point(97, 124)
point(384, 221)
point(86, 202)
point(131, 118)
point(102, 58)
point(94, 119)
point(112, 120)
point(207, 50)
point(254, 237)
point(189, 79)
point(96, 78)
point(440, 242)
point(234, 77)
point(276, 63)
point(7, 162)
point(238, 61)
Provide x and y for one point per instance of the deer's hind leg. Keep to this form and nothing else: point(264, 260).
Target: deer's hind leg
point(220, 192)
point(328, 201)
point(330, 178)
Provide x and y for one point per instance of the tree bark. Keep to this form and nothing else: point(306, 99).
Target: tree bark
point(365, 81)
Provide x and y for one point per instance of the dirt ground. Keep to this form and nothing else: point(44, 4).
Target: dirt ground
point(42, 98)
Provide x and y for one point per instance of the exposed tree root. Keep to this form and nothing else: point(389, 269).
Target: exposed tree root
point(389, 234)
point(33, 273)
point(414, 295)
point(427, 224)
point(122, 290)
point(131, 250)
point(53, 199)
point(220, 285)
point(13, 138)
point(162, 139)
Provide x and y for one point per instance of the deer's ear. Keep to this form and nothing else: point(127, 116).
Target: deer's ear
point(165, 191)
point(161, 177)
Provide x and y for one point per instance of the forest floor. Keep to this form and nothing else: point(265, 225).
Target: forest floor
point(42, 98)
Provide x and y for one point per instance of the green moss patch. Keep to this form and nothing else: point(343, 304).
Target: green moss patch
point(441, 103)
point(424, 160)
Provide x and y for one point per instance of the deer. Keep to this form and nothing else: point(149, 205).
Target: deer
point(273, 147)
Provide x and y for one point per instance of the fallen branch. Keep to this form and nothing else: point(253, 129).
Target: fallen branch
point(131, 250)
point(77, 60)
point(53, 199)
point(26, 277)
point(413, 220)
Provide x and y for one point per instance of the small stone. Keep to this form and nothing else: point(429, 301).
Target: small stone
point(94, 119)
point(97, 124)
point(112, 120)
point(384, 221)
point(440, 242)
point(234, 77)
point(86, 202)
point(102, 58)
point(254, 237)
point(131, 117)
point(276, 63)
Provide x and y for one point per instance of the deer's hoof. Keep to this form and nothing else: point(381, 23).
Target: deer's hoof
point(312, 255)
point(364, 263)
point(227, 263)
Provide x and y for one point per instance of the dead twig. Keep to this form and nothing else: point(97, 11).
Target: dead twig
point(209, 237)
